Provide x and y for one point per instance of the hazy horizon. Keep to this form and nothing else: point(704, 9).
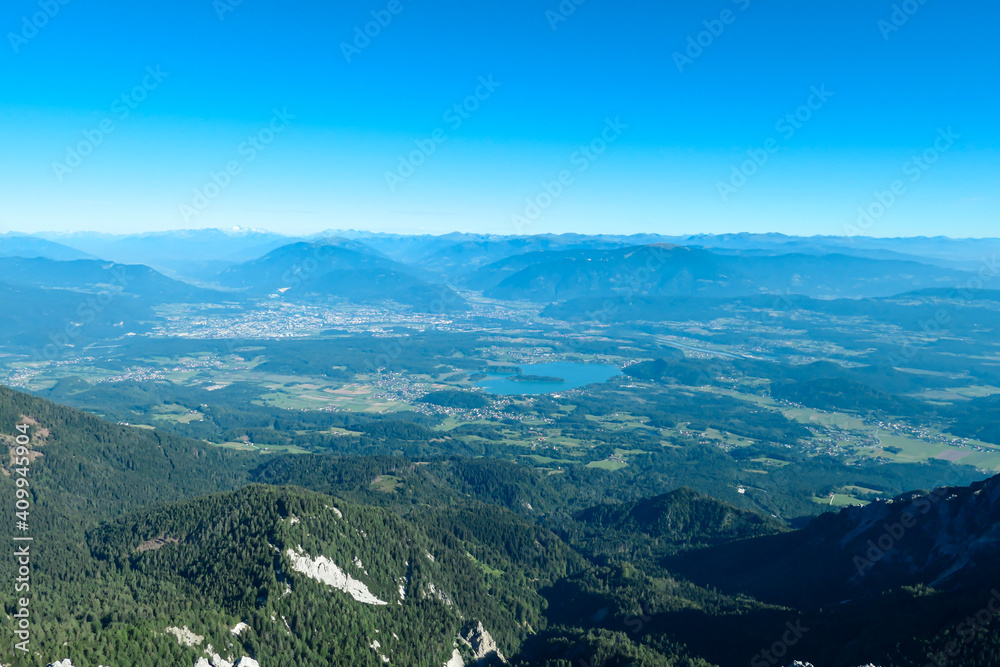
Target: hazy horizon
point(318, 233)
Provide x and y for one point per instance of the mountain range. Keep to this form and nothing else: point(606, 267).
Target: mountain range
point(422, 271)
point(660, 270)
point(96, 276)
point(22, 245)
point(319, 270)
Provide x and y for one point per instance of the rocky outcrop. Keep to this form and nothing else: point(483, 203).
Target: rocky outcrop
point(324, 570)
point(948, 538)
point(216, 659)
point(483, 646)
point(184, 636)
point(242, 662)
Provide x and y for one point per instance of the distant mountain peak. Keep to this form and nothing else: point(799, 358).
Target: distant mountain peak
point(243, 231)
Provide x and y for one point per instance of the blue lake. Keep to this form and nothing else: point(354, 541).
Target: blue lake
point(575, 375)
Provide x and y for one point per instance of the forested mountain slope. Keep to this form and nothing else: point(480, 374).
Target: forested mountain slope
point(154, 568)
point(152, 549)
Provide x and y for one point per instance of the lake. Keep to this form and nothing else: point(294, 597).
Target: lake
point(575, 375)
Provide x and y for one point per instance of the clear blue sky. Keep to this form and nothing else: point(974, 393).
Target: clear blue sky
point(688, 121)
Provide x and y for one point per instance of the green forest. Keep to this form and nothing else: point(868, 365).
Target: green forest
point(143, 536)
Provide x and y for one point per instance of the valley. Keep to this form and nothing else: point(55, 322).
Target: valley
point(782, 410)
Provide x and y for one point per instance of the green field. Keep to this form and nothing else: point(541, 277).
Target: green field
point(820, 418)
point(607, 465)
point(953, 394)
point(916, 451)
point(771, 463)
point(728, 438)
point(617, 461)
point(860, 490)
point(308, 396)
point(177, 414)
point(544, 460)
point(840, 500)
point(262, 449)
point(489, 571)
point(386, 484)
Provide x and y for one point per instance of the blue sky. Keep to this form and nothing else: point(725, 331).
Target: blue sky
point(319, 128)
